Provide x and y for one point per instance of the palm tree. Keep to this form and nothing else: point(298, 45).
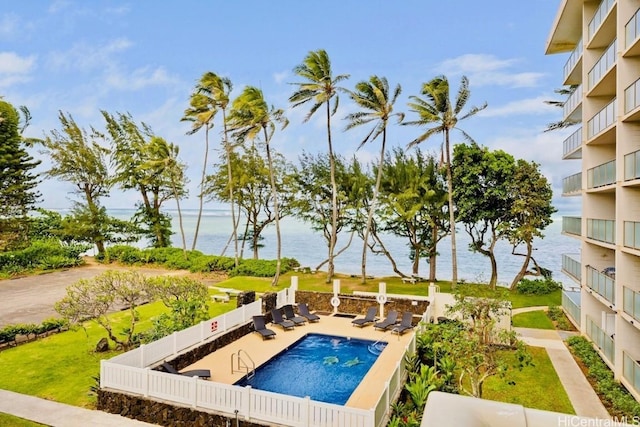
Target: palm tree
point(441, 116)
point(217, 89)
point(319, 88)
point(201, 112)
point(162, 160)
point(377, 104)
point(249, 116)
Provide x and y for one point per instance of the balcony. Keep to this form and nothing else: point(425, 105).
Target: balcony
point(573, 73)
point(599, 18)
point(597, 84)
point(571, 145)
point(631, 35)
point(572, 225)
point(571, 307)
point(572, 185)
point(602, 120)
point(631, 234)
point(603, 230)
point(572, 267)
point(632, 166)
point(631, 302)
point(603, 341)
point(602, 175)
point(632, 101)
point(631, 371)
point(602, 284)
point(570, 109)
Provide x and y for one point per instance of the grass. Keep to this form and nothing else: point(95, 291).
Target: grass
point(61, 367)
point(533, 319)
point(536, 386)
point(7, 420)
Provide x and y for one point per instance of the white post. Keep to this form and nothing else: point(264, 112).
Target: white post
point(382, 297)
point(293, 289)
point(246, 400)
point(102, 372)
point(142, 356)
point(306, 415)
point(175, 343)
point(146, 382)
point(195, 391)
point(336, 291)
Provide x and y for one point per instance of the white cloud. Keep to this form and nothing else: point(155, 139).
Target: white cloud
point(59, 5)
point(487, 70)
point(280, 77)
point(15, 69)
point(9, 25)
point(87, 57)
point(140, 78)
point(535, 106)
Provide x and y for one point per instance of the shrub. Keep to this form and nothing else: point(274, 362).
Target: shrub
point(41, 254)
point(537, 287)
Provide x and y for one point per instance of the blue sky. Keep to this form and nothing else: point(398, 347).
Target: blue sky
point(144, 57)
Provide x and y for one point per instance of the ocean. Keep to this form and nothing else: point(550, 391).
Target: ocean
point(299, 241)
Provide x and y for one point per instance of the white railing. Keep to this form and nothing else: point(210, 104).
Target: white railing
point(571, 308)
point(130, 373)
point(602, 120)
point(572, 102)
point(598, 17)
point(573, 59)
point(572, 142)
point(604, 64)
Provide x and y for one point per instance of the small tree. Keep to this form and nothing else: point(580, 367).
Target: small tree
point(93, 299)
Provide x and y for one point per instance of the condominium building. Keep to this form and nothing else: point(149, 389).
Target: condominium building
point(601, 40)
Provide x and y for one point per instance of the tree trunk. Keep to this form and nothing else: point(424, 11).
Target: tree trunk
point(202, 179)
point(525, 266)
point(231, 200)
point(432, 255)
point(276, 213)
point(334, 200)
point(452, 219)
point(372, 208)
point(339, 252)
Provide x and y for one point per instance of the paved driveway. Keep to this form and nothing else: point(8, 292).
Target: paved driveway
point(31, 299)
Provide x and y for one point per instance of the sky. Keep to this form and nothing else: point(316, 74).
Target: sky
point(145, 57)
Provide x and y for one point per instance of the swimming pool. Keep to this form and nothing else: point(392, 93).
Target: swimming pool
point(326, 368)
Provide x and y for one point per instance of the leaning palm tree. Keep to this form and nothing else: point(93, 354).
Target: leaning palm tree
point(376, 102)
point(439, 115)
point(201, 113)
point(217, 89)
point(319, 88)
point(249, 116)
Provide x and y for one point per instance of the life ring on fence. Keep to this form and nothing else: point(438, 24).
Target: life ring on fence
point(381, 298)
point(335, 301)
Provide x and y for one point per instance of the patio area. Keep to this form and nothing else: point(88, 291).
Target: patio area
point(365, 396)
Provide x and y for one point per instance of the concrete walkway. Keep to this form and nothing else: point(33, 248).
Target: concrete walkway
point(585, 401)
point(59, 414)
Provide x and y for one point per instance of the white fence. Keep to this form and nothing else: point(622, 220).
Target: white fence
point(130, 373)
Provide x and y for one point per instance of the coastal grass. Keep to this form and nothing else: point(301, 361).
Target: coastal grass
point(10, 420)
point(536, 386)
point(533, 319)
point(62, 367)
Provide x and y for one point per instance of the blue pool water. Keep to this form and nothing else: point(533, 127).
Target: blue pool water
point(324, 367)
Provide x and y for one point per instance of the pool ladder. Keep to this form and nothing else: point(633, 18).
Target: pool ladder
point(241, 364)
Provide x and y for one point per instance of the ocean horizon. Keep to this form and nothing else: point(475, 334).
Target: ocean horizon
point(299, 241)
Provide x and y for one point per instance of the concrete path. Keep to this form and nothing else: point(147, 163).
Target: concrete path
point(585, 401)
point(528, 309)
point(59, 414)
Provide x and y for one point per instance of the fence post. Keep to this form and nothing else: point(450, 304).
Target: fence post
point(102, 372)
point(146, 382)
point(175, 343)
point(202, 329)
point(246, 402)
point(307, 408)
point(195, 391)
point(142, 363)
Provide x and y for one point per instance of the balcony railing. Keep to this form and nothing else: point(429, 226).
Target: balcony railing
point(572, 183)
point(572, 267)
point(598, 17)
point(602, 120)
point(631, 302)
point(603, 230)
point(603, 341)
point(571, 307)
point(631, 370)
point(572, 225)
point(631, 234)
point(573, 59)
point(632, 97)
point(632, 166)
point(572, 102)
point(602, 284)
point(602, 175)
point(631, 31)
point(572, 142)
point(604, 64)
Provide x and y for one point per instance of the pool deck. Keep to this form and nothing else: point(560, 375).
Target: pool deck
point(364, 397)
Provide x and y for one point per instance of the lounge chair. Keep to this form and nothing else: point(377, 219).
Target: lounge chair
point(392, 319)
point(200, 373)
point(405, 324)
point(259, 327)
point(290, 315)
point(370, 317)
point(303, 309)
point(285, 324)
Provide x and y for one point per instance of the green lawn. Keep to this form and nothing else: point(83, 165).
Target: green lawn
point(536, 386)
point(7, 420)
point(61, 367)
point(532, 319)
